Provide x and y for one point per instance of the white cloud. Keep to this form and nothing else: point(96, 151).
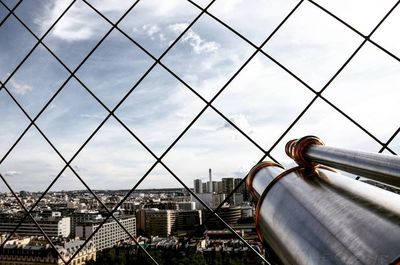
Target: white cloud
point(151, 29)
point(20, 88)
point(50, 13)
point(99, 116)
point(77, 25)
point(79, 168)
point(171, 31)
point(177, 28)
point(243, 169)
point(198, 44)
point(52, 106)
point(241, 121)
point(12, 173)
point(80, 23)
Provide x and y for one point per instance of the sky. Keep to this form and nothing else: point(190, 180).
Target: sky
point(263, 100)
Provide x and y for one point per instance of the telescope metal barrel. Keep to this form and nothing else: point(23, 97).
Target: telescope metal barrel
point(257, 186)
point(318, 216)
point(310, 150)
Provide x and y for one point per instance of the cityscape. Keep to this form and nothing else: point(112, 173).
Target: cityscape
point(171, 224)
point(129, 130)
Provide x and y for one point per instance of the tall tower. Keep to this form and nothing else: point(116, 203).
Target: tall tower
point(210, 186)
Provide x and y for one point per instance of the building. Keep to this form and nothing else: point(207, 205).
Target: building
point(53, 226)
point(130, 207)
point(237, 199)
point(241, 188)
point(211, 200)
point(82, 216)
point(186, 205)
point(230, 215)
point(227, 185)
point(220, 187)
point(187, 221)
point(155, 222)
point(109, 233)
point(204, 187)
point(210, 186)
point(198, 186)
point(247, 211)
point(3, 238)
point(36, 251)
point(215, 186)
point(164, 223)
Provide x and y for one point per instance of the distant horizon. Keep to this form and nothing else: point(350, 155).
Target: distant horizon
point(97, 190)
point(204, 180)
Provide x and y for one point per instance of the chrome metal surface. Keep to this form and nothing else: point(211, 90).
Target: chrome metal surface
point(310, 151)
point(266, 172)
point(322, 217)
point(379, 167)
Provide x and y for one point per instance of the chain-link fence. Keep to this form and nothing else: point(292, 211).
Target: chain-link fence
point(311, 75)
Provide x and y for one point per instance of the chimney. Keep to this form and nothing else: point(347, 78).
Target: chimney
point(210, 187)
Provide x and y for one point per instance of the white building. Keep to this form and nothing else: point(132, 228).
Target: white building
point(109, 234)
point(53, 226)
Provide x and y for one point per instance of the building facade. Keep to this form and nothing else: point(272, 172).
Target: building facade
point(198, 186)
point(164, 223)
point(31, 251)
point(227, 185)
point(53, 226)
point(109, 233)
point(83, 216)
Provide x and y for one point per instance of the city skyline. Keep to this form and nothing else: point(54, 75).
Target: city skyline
point(262, 100)
point(128, 128)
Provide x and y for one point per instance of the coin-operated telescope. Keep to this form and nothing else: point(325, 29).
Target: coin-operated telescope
point(314, 214)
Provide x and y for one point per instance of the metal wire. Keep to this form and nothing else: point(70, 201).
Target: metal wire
point(208, 104)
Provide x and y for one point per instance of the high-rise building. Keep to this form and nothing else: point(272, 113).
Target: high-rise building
point(241, 189)
point(198, 186)
point(215, 187)
point(227, 185)
point(204, 187)
point(220, 187)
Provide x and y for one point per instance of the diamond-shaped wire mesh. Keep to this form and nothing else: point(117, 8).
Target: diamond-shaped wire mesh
point(130, 61)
